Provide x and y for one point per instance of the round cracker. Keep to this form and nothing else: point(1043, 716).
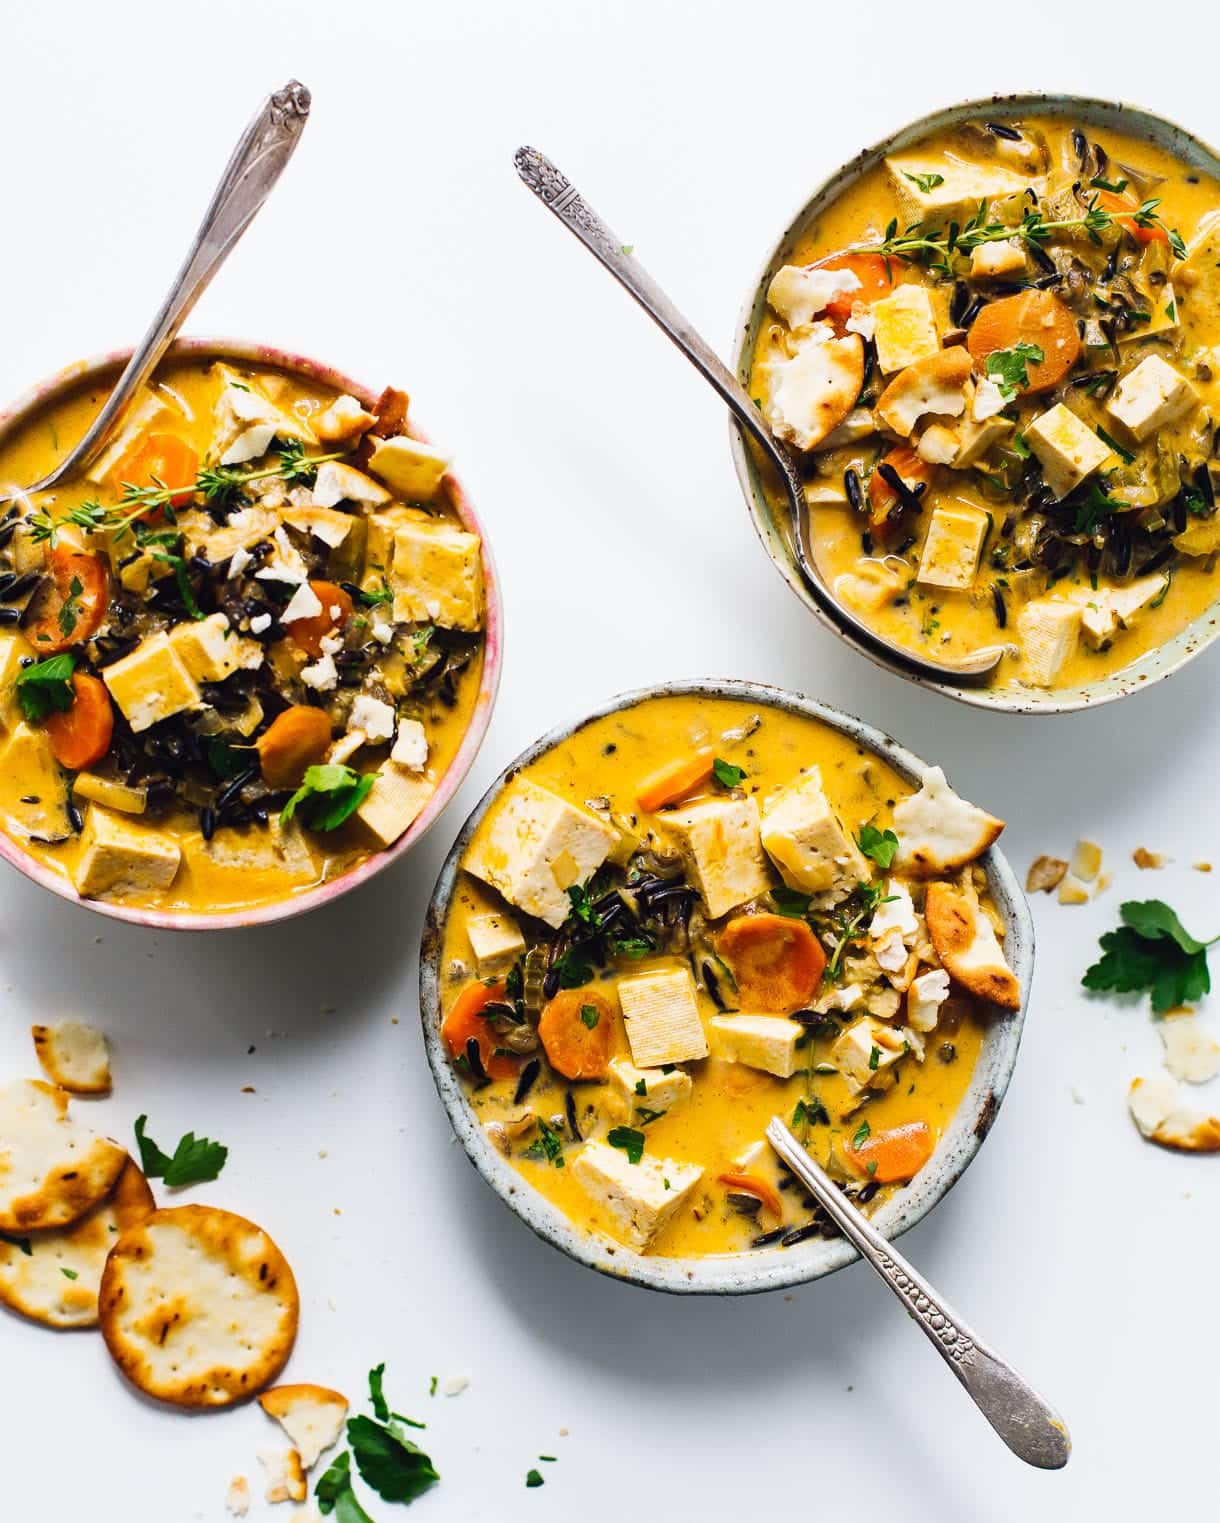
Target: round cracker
point(57, 1282)
point(52, 1170)
point(198, 1307)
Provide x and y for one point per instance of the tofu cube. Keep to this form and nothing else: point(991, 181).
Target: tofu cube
point(496, 942)
point(721, 847)
point(939, 190)
point(119, 856)
point(437, 575)
point(29, 771)
point(866, 1052)
point(151, 684)
point(1150, 397)
point(535, 846)
point(1067, 449)
point(805, 839)
point(394, 802)
point(379, 544)
point(638, 1200)
point(905, 330)
point(207, 648)
point(1131, 600)
point(976, 439)
point(952, 547)
point(1047, 631)
point(661, 1014)
point(336, 483)
point(648, 1089)
point(1162, 317)
point(1098, 621)
point(412, 469)
point(992, 261)
point(759, 1041)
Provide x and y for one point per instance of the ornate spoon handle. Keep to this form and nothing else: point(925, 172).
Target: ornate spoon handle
point(256, 164)
point(1028, 1425)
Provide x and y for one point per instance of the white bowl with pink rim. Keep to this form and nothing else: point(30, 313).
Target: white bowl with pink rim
point(108, 366)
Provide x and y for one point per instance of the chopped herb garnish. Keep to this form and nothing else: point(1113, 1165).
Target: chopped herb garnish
point(631, 1142)
point(1151, 951)
point(881, 845)
point(1007, 367)
point(1124, 455)
point(926, 182)
point(69, 613)
point(23, 1243)
point(396, 1469)
point(68, 1274)
point(46, 687)
point(726, 774)
point(328, 796)
point(334, 1492)
point(533, 1478)
point(549, 1144)
point(863, 1132)
point(641, 1087)
point(791, 902)
point(1098, 504)
point(874, 1057)
point(590, 1015)
point(195, 1161)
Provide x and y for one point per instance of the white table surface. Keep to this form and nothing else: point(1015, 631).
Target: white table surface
point(601, 466)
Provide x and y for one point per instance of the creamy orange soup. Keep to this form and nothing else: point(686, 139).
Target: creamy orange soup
point(997, 355)
point(667, 931)
point(237, 657)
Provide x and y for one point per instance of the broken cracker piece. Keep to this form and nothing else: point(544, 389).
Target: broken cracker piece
point(1086, 861)
point(237, 1498)
point(1146, 859)
point(1045, 874)
point(967, 946)
point(1156, 1109)
point(56, 1283)
point(52, 1170)
point(198, 1307)
point(312, 1417)
point(285, 1477)
point(938, 831)
point(1073, 891)
point(74, 1056)
point(1191, 1053)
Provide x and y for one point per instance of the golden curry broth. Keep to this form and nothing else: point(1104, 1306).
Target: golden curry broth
point(731, 1104)
point(222, 875)
point(951, 623)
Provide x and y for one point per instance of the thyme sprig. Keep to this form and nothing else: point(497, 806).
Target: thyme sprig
point(214, 483)
point(939, 246)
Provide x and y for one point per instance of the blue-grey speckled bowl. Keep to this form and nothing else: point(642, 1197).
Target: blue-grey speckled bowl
point(762, 1268)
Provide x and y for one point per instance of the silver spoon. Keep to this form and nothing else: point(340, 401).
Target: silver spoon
point(559, 195)
point(259, 159)
point(1028, 1425)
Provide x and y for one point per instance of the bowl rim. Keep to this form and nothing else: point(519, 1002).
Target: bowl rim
point(752, 1271)
point(71, 378)
point(1155, 665)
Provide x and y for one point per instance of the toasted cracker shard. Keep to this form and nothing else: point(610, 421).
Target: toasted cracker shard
point(237, 1498)
point(938, 831)
point(75, 1056)
point(936, 384)
point(312, 1417)
point(1191, 1053)
point(285, 1477)
point(57, 1282)
point(198, 1307)
point(1156, 1108)
point(966, 944)
point(52, 1170)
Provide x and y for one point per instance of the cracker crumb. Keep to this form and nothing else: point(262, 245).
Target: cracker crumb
point(237, 1498)
point(454, 1385)
point(1045, 874)
point(1086, 861)
point(1202, 867)
point(1072, 891)
point(1148, 860)
point(248, 1089)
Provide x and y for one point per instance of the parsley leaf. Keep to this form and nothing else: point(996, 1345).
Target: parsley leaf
point(396, 1469)
point(1151, 951)
point(533, 1478)
point(549, 1144)
point(334, 1493)
point(631, 1142)
point(1124, 455)
point(881, 845)
point(328, 796)
point(1006, 367)
point(926, 183)
point(46, 687)
point(377, 1399)
point(1098, 504)
point(195, 1160)
point(726, 774)
point(863, 1132)
point(791, 902)
point(590, 1015)
point(69, 613)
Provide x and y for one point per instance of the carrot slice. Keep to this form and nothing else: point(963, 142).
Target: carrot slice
point(675, 781)
point(1038, 318)
point(295, 740)
point(159, 460)
point(81, 735)
point(577, 1032)
point(1115, 201)
point(751, 1184)
point(898, 1154)
point(882, 497)
point(72, 601)
point(466, 1021)
point(308, 634)
point(777, 961)
point(876, 280)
